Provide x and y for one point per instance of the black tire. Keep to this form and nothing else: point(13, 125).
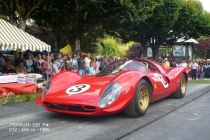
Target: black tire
point(138, 106)
point(180, 93)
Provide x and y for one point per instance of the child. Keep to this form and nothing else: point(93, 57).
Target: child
point(74, 68)
point(90, 69)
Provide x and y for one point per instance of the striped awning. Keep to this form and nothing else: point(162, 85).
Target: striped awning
point(14, 38)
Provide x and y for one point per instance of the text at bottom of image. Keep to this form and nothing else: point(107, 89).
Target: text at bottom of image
point(29, 127)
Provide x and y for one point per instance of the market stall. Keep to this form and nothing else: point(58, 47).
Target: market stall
point(13, 38)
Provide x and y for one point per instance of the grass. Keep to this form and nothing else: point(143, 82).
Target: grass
point(198, 81)
point(12, 98)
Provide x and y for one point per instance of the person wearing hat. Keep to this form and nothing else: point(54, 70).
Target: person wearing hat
point(165, 63)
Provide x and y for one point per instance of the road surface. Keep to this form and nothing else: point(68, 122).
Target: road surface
point(167, 119)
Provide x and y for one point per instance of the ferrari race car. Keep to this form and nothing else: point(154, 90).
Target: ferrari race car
point(126, 85)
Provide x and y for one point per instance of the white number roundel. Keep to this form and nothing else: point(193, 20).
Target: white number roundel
point(77, 89)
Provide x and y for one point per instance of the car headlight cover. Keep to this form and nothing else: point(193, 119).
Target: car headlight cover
point(110, 94)
point(46, 88)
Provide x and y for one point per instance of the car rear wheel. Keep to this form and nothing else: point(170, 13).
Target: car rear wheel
point(140, 102)
point(180, 93)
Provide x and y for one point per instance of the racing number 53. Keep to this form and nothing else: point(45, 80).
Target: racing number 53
point(77, 89)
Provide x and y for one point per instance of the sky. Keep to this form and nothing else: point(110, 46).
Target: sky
point(206, 4)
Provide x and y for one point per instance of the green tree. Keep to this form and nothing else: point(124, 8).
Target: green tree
point(19, 11)
point(109, 47)
point(77, 18)
point(189, 19)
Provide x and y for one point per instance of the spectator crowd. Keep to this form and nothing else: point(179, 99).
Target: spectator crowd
point(49, 65)
point(199, 69)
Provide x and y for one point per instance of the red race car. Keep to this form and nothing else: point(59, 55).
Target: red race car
point(126, 85)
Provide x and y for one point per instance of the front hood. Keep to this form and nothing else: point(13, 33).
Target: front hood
point(86, 90)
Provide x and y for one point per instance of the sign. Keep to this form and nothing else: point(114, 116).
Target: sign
point(21, 79)
point(190, 52)
point(29, 79)
point(178, 50)
point(149, 52)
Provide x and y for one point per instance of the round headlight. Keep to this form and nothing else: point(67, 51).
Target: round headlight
point(110, 94)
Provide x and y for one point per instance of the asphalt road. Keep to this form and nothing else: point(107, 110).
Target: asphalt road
point(168, 119)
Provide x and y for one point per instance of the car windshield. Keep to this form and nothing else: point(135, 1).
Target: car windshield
point(123, 65)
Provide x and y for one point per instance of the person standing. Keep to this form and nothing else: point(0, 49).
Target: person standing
point(104, 64)
point(29, 64)
point(201, 72)
point(20, 59)
point(87, 60)
point(38, 64)
point(55, 69)
point(194, 68)
point(98, 62)
point(183, 64)
point(47, 67)
point(59, 61)
point(90, 69)
point(207, 69)
point(165, 63)
point(81, 65)
point(74, 62)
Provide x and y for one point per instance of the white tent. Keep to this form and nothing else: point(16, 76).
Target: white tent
point(14, 38)
point(182, 40)
point(192, 41)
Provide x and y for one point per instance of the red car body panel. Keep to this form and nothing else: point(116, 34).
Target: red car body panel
point(163, 83)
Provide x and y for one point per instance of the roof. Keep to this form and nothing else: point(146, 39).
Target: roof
point(14, 38)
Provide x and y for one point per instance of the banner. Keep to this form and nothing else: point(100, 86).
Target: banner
point(178, 50)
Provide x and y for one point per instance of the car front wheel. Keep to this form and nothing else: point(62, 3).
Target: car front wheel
point(140, 101)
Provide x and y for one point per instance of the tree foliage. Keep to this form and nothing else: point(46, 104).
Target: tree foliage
point(19, 11)
point(134, 51)
point(109, 47)
point(81, 22)
point(202, 48)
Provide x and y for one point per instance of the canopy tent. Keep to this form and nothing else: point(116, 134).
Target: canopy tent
point(192, 41)
point(182, 40)
point(67, 49)
point(14, 38)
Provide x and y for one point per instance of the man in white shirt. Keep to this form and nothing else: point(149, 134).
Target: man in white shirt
point(87, 60)
point(183, 64)
point(194, 68)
